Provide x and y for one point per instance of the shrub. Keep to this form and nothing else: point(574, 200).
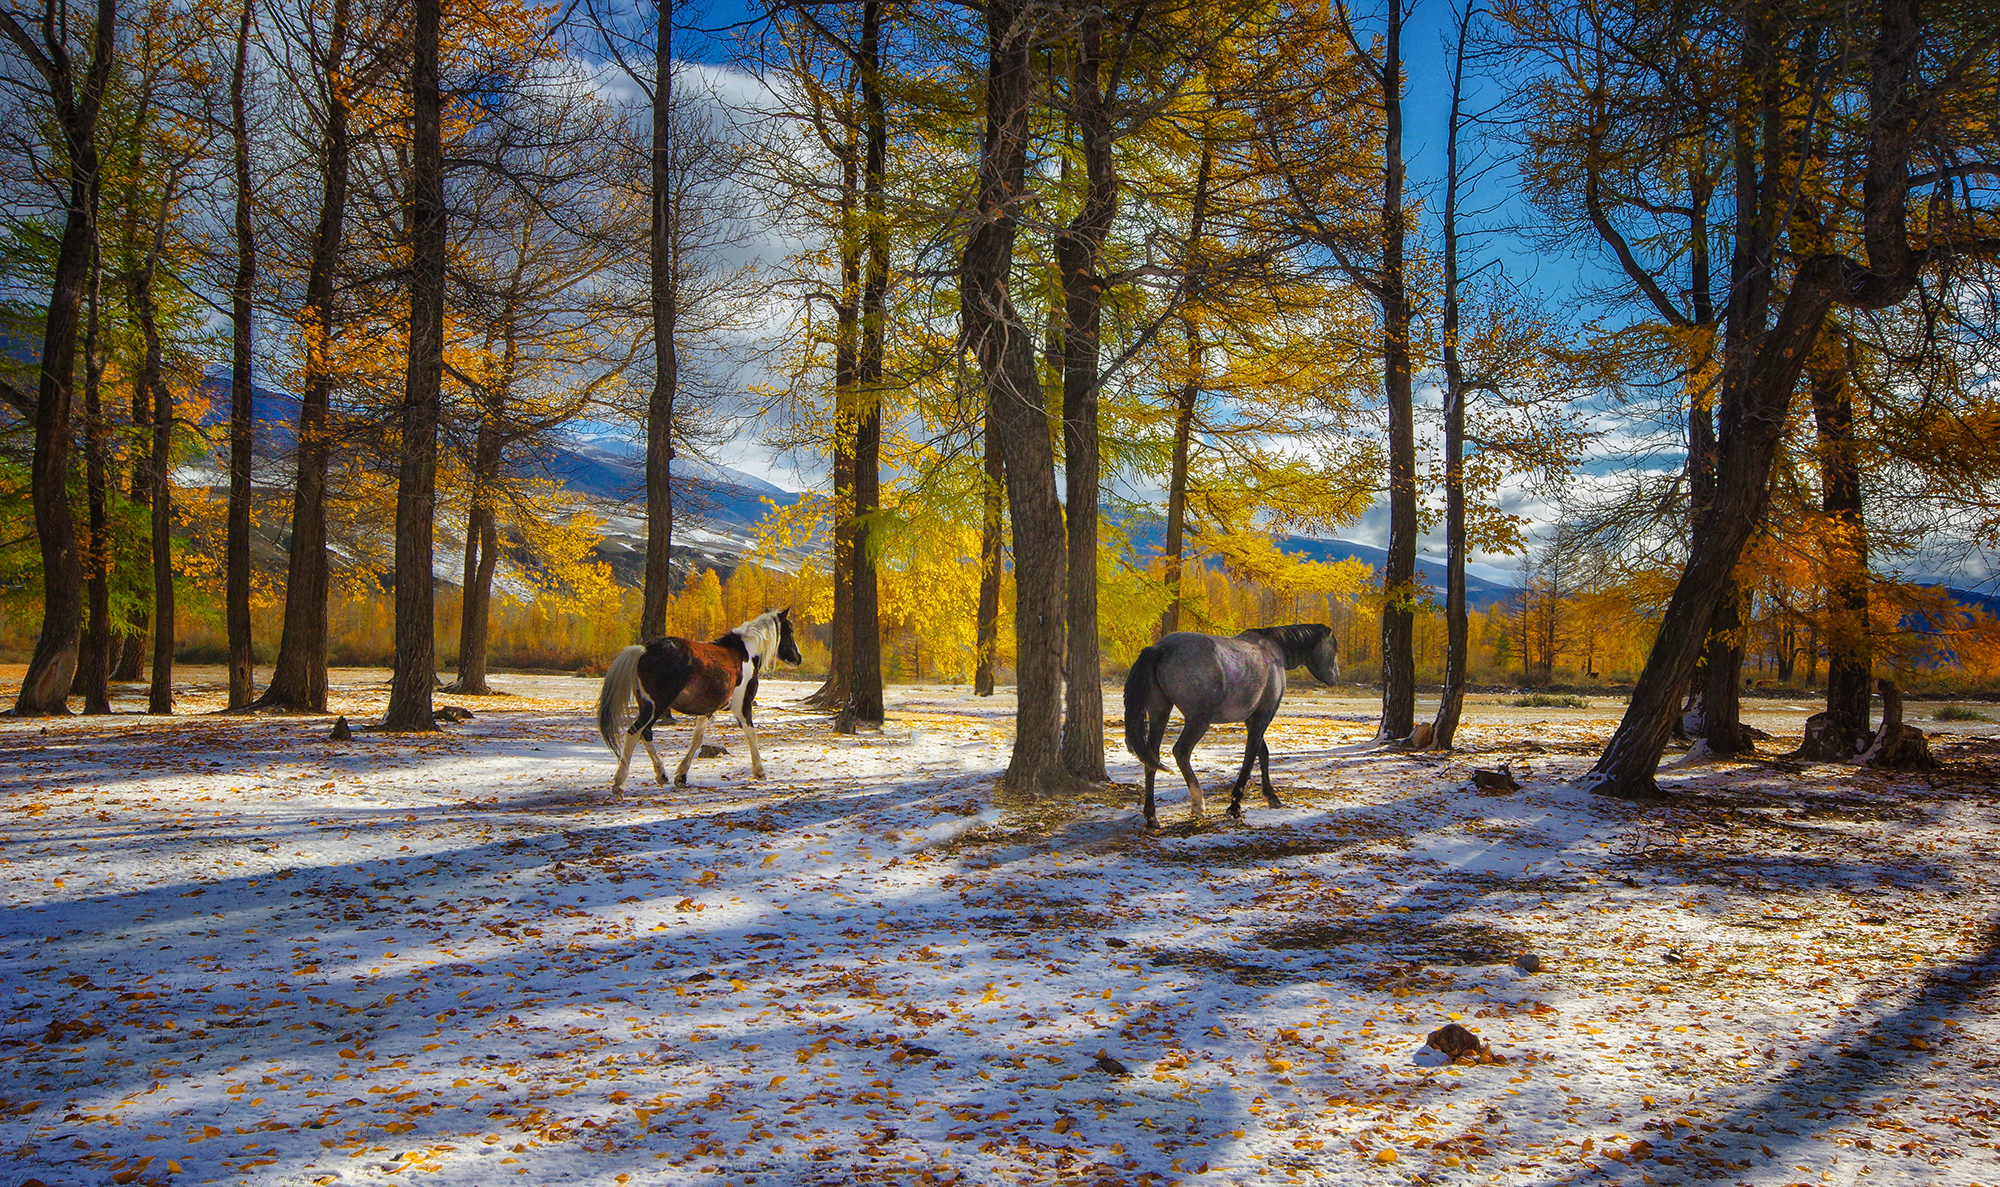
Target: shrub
point(1958, 713)
point(1542, 700)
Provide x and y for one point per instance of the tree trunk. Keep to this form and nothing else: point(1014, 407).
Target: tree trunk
point(986, 638)
point(152, 380)
point(864, 693)
point(298, 680)
point(93, 670)
point(1722, 678)
point(236, 578)
point(52, 668)
point(1399, 591)
point(482, 540)
point(834, 693)
point(1189, 396)
point(1451, 701)
point(994, 331)
point(666, 359)
point(415, 675)
point(132, 653)
point(1841, 732)
point(1077, 252)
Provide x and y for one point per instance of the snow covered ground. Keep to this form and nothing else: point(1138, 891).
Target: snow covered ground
point(236, 952)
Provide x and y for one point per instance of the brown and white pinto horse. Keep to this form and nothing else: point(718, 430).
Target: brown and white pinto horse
point(695, 679)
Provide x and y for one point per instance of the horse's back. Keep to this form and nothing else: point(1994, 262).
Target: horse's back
point(706, 673)
point(1217, 678)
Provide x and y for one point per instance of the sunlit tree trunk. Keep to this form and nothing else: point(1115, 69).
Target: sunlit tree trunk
point(995, 333)
point(1399, 568)
point(666, 360)
point(864, 694)
point(1078, 248)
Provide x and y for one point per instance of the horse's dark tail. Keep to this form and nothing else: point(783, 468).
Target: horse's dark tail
point(1138, 698)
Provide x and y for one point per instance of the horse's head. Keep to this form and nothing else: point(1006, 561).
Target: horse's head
point(788, 647)
point(1323, 661)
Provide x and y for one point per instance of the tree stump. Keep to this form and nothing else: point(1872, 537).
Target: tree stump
point(1826, 741)
point(1897, 746)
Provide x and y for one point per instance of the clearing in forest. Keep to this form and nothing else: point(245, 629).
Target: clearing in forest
point(236, 952)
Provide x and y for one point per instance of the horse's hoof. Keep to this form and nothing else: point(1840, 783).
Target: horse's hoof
point(1273, 801)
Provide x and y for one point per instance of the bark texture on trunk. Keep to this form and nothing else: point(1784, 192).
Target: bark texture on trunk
point(152, 381)
point(298, 679)
point(93, 671)
point(76, 103)
point(1399, 568)
point(986, 631)
point(1078, 248)
point(834, 693)
point(482, 540)
point(415, 677)
point(1841, 732)
point(236, 576)
point(864, 692)
point(994, 331)
point(666, 359)
point(1722, 677)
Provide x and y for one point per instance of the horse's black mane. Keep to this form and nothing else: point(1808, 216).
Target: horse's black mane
point(1297, 639)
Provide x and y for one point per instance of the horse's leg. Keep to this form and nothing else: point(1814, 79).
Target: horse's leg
point(1156, 728)
point(1184, 745)
point(1253, 747)
point(624, 763)
point(641, 730)
point(1264, 758)
point(694, 748)
point(750, 740)
point(659, 768)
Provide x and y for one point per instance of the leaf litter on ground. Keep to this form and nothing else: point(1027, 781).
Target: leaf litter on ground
point(238, 952)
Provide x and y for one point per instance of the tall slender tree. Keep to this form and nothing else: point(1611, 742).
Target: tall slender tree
point(665, 307)
point(1451, 700)
point(1079, 248)
point(299, 678)
point(76, 97)
point(864, 692)
point(415, 675)
point(995, 333)
point(236, 593)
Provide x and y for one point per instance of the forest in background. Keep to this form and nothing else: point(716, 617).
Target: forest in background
point(1010, 276)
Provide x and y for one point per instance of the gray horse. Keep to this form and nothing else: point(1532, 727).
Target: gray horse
point(1210, 679)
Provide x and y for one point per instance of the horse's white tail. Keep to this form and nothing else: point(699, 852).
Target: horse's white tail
point(615, 698)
